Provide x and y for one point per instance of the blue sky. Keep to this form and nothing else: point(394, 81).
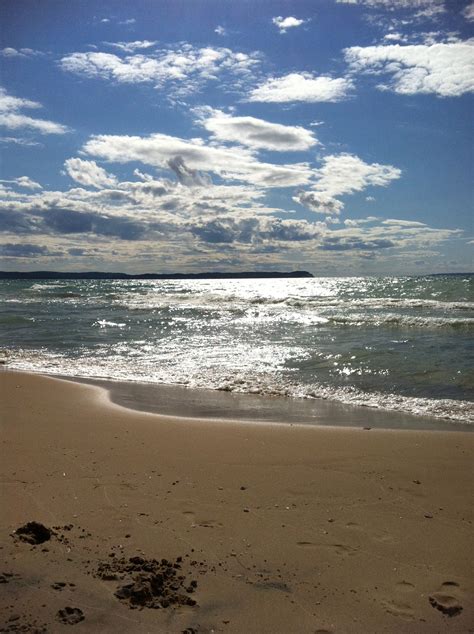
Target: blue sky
point(330, 135)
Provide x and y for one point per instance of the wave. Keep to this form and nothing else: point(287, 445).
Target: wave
point(263, 384)
point(12, 320)
point(407, 321)
point(103, 323)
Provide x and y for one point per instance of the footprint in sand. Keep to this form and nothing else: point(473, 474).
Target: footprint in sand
point(382, 537)
point(445, 600)
point(209, 524)
point(191, 516)
point(344, 550)
point(405, 586)
point(341, 549)
point(400, 609)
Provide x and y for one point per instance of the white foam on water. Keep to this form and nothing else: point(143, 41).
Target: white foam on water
point(225, 379)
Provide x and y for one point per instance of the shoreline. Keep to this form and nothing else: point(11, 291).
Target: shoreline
point(283, 528)
point(181, 401)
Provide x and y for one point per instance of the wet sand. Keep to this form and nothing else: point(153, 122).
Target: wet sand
point(267, 527)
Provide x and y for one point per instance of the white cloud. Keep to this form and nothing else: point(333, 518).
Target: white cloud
point(394, 36)
point(394, 5)
point(131, 47)
point(27, 182)
point(186, 175)
point(403, 223)
point(235, 163)
point(88, 173)
point(343, 174)
point(399, 13)
point(220, 30)
point(287, 23)
point(444, 69)
point(18, 141)
point(22, 52)
point(255, 133)
point(23, 181)
point(8, 103)
point(360, 221)
point(302, 87)
point(468, 12)
point(153, 220)
point(346, 173)
point(11, 118)
point(320, 203)
point(183, 68)
point(10, 52)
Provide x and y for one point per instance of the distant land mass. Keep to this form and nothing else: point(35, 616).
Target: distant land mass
point(101, 275)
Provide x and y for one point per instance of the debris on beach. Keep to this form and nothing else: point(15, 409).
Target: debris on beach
point(21, 623)
point(149, 583)
point(70, 616)
point(33, 533)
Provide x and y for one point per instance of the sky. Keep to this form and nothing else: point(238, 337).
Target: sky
point(333, 136)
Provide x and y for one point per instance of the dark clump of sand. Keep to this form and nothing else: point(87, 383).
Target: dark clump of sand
point(33, 533)
point(150, 583)
point(141, 582)
point(70, 616)
point(17, 623)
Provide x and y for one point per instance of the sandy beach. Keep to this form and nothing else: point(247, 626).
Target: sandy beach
point(263, 528)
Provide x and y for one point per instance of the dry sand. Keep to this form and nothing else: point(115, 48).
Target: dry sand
point(280, 529)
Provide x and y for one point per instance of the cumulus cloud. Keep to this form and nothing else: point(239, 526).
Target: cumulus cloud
point(66, 221)
point(349, 222)
point(186, 175)
point(182, 69)
point(343, 174)
point(18, 141)
point(88, 173)
point(27, 250)
point(23, 181)
point(255, 133)
point(131, 47)
point(346, 173)
point(12, 118)
point(19, 52)
point(394, 5)
point(194, 225)
point(251, 230)
point(468, 12)
point(444, 69)
point(340, 243)
point(403, 223)
point(302, 87)
point(236, 163)
point(289, 22)
point(320, 203)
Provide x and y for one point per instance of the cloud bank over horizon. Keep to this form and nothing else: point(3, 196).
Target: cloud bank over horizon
point(283, 149)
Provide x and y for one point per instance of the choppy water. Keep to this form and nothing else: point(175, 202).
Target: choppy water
point(402, 343)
